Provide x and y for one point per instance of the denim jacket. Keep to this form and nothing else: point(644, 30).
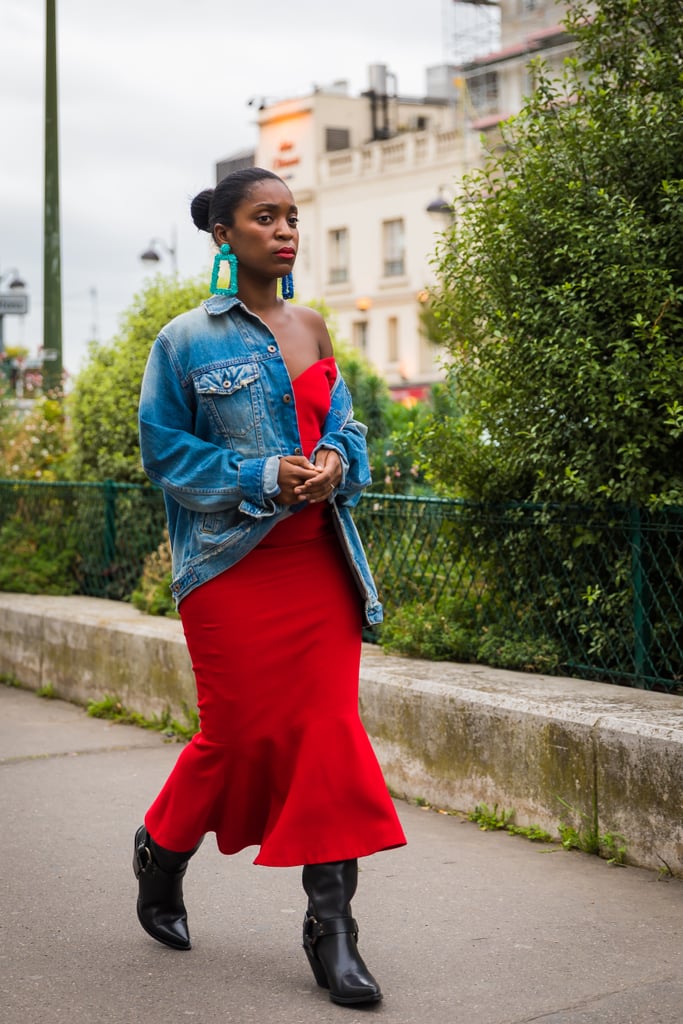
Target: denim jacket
point(217, 411)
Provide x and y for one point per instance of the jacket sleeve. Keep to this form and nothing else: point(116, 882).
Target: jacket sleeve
point(346, 436)
point(199, 475)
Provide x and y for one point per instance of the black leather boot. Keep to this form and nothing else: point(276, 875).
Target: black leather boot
point(330, 934)
point(160, 872)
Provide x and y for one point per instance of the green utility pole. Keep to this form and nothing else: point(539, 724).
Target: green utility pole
point(52, 264)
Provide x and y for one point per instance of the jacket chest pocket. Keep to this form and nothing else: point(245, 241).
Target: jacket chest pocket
point(232, 398)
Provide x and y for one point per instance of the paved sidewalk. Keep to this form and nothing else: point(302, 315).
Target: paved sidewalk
point(460, 926)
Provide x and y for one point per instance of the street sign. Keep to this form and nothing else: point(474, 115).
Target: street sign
point(13, 303)
point(49, 354)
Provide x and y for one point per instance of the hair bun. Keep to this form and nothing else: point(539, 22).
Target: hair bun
point(199, 209)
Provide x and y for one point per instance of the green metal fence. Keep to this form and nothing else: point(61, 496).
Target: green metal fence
point(83, 538)
point(602, 590)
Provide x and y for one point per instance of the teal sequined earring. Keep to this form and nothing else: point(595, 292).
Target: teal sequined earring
point(225, 253)
point(288, 287)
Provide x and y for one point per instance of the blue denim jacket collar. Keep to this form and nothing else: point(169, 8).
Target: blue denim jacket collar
point(218, 304)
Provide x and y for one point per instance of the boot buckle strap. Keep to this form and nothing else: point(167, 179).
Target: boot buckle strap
point(144, 861)
point(315, 929)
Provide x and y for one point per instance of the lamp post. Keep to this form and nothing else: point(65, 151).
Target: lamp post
point(52, 259)
point(12, 301)
point(151, 253)
point(442, 215)
point(440, 206)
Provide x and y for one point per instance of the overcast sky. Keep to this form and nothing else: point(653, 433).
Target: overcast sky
point(152, 93)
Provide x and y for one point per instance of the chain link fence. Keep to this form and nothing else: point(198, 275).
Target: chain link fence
point(601, 590)
point(77, 538)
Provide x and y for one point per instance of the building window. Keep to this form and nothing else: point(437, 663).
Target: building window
point(394, 247)
point(360, 335)
point(392, 340)
point(337, 138)
point(483, 91)
point(338, 255)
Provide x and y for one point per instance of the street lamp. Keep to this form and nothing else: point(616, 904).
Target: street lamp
point(151, 253)
point(12, 301)
point(15, 280)
point(440, 206)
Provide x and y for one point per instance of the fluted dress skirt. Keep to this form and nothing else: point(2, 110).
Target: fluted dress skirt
point(282, 760)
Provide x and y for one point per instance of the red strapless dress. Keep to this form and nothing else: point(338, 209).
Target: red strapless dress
point(282, 760)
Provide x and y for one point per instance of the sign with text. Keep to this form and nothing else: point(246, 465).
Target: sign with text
point(13, 303)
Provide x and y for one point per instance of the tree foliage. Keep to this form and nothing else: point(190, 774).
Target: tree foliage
point(104, 403)
point(33, 441)
point(561, 280)
point(390, 424)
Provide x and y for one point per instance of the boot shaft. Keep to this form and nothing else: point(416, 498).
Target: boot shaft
point(330, 887)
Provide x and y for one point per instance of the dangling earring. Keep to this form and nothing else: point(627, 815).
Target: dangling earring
point(288, 287)
point(225, 253)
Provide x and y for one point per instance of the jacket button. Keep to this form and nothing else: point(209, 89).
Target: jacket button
point(272, 348)
point(297, 451)
point(286, 398)
point(227, 383)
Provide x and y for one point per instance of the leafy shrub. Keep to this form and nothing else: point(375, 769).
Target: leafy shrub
point(419, 632)
point(561, 280)
point(153, 594)
point(33, 443)
point(499, 647)
point(104, 403)
point(38, 557)
point(454, 631)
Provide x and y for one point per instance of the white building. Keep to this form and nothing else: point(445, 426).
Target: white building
point(497, 82)
point(365, 169)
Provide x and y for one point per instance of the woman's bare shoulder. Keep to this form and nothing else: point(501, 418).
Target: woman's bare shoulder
point(309, 316)
point(314, 322)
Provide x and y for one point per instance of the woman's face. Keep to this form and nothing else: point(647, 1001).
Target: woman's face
point(264, 235)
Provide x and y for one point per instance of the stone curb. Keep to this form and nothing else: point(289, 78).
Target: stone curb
point(551, 749)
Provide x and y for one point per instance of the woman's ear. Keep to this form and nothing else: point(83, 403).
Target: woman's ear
point(221, 235)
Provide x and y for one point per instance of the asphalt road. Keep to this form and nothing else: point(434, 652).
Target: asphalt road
point(460, 926)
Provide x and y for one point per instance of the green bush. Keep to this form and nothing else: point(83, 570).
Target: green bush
point(33, 443)
point(499, 647)
point(104, 403)
point(153, 594)
point(561, 281)
point(38, 557)
point(416, 631)
point(458, 630)
point(391, 425)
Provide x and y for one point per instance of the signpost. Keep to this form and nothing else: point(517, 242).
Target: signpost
point(11, 303)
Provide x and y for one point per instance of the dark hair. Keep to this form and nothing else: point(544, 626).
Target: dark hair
point(217, 205)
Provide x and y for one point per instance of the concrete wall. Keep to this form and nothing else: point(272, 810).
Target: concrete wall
point(454, 735)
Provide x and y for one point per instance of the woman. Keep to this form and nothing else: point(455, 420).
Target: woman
point(247, 425)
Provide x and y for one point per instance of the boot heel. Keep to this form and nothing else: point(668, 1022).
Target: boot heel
point(318, 969)
point(335, 961)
